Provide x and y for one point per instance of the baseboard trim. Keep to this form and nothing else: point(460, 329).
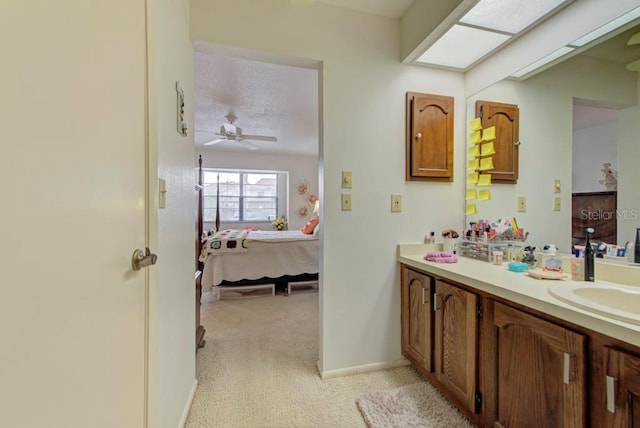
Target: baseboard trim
point(185, 413)
point(364, 368)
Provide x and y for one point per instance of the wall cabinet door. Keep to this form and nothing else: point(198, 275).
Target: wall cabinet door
point(429, 137)
point(417, 319)
point(538, 372)
point(456, 336)
point(623, 390)
point(506, 119)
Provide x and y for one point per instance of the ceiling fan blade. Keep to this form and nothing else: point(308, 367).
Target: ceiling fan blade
point(634, 40)
point(250, 145)
point(259, 138)
point(634, 66)
point(211, 143)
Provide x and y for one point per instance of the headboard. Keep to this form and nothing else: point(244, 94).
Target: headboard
point(596, 210)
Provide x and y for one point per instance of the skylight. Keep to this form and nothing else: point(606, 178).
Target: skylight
point(486, 27)
point(461, 46)
point(508, 15)
point(579, 45)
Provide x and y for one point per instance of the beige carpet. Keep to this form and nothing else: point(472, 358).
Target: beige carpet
point(258, 369)
point(417, 405)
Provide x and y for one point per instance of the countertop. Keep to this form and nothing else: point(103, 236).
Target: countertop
point(519, 288)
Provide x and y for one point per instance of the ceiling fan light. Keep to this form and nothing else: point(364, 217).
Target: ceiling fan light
point(227, 128)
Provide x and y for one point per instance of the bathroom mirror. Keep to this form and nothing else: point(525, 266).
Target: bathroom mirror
point(575, 118)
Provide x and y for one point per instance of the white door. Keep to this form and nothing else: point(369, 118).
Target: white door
point(72, 211)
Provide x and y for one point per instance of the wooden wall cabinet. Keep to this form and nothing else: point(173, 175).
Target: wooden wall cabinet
point(429, 137)
point(506, 119)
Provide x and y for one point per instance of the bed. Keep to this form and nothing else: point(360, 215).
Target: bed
point(247, 257)
point(237, 257)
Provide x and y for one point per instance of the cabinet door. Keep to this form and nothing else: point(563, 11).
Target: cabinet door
point(505, 117)
point(429, 137)
point(456, 335)
point(623, 390)
point(539, 372)
point(416, 319)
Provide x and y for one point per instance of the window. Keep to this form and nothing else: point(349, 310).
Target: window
point(250, 196)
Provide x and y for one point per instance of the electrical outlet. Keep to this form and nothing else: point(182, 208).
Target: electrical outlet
point(396, 203)
point(556, 185)
point(346, 202)
point(522, 204)
point(556, 204)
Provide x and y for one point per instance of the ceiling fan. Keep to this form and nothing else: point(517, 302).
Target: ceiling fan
point(231, 132)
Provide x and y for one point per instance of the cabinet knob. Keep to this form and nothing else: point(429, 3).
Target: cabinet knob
point(418, 135)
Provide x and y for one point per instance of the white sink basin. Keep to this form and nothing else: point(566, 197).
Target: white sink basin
point(616, 301)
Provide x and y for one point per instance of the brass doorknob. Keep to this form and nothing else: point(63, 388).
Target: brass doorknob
point(142, 259)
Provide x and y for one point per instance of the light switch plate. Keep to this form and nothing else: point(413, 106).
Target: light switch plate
point(522, 204)
point(396, 203)
point(162, 193)
point(556, 204)
point(346, 202)
point(556, 185)
point(346, 179)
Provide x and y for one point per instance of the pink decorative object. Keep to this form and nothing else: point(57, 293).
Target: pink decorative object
point(302, 189)
point(312, 199)
point(303, 211)
point(441, 257)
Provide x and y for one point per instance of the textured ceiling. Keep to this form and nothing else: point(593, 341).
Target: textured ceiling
point(268, 98)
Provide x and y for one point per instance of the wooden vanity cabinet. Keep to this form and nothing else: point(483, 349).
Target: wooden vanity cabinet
point(622, 390)
point(429, 137)
point(432, 313)
point(417, 319)
point(455, 339)
point(537, 370)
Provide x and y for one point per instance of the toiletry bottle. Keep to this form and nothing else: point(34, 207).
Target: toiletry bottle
point(589, 262)
point(432, 238)
point(636, 253)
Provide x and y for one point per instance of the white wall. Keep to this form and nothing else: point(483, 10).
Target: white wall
point(364, 87)
point(175, 294)
point(629, 173)
point(546, 133)
point(544, 155)
point(592, 147)
point(301, 168)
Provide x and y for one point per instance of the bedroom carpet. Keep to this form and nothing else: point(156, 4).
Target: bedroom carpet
point(417, 405)
point(258, 369)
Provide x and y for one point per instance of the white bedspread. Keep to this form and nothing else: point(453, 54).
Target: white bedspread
point(269, 253)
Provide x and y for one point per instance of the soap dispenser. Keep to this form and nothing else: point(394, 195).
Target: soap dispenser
point(589, 262)
point(636, 252)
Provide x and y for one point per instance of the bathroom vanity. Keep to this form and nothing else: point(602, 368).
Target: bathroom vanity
point(508, 353)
